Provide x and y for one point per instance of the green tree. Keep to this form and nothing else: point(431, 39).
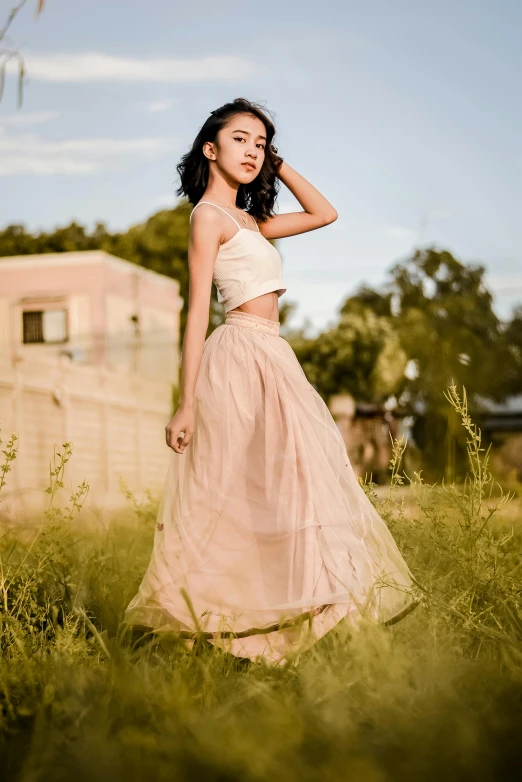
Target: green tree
point(512, 381)
point(443, 314)
point(360, 355)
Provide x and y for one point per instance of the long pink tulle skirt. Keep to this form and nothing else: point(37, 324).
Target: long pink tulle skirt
point(265, 540)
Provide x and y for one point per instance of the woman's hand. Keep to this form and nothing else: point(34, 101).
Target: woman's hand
point(180, 429)
point(278, 160)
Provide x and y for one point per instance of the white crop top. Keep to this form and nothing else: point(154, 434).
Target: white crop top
point(246, 266)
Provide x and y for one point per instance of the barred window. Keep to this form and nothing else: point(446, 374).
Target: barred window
point(44, 326)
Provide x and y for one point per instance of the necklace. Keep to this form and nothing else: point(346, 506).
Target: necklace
point(242, 216)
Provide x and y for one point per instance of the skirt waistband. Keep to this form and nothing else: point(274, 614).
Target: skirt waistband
point(252, 321)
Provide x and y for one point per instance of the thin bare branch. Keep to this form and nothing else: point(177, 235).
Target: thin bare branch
point(12, 15)
point(7, 54)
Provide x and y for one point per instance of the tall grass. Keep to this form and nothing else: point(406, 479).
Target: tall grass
point(439, 695)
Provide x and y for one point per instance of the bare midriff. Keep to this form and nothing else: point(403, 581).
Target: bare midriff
point(266, 306)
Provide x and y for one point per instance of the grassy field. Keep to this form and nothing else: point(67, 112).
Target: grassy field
point(437, 696)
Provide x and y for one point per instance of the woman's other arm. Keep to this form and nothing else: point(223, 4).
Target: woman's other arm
point(205, 237)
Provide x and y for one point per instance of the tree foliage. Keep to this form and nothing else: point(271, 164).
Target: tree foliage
point(361, 355)
point(443, 315)
point(447, 324)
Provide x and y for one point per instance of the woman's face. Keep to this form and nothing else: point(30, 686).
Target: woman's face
point(239, 150)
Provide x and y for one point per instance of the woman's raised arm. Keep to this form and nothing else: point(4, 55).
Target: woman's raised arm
point(317, 210)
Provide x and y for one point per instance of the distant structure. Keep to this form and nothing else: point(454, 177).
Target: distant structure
point(502, 426)
point(366, 429)
point(89, 353)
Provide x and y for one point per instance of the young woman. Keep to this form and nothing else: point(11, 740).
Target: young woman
point(264, 540)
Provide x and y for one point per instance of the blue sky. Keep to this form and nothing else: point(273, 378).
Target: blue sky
point(406, 115)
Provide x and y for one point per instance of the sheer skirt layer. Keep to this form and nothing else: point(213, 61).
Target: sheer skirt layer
point(262, 520)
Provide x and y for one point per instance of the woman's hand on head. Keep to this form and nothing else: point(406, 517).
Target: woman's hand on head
point(278, 160)
point(180, 428)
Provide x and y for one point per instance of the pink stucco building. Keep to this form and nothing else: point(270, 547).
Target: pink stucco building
point(89, 353)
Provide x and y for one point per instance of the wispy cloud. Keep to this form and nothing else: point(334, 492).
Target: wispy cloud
point(157, 105)
point(99, 67)
point(29, 118)
point(165, 201)
point(30, 154)
point(505, 284)
point(400, 232)
point(406, 234)
point(442, 213)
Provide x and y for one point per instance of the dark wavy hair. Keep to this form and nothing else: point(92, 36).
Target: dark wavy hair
point(258, 197)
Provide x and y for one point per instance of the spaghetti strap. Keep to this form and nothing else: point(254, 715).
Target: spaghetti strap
point(255, 223)
point(217, 207)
